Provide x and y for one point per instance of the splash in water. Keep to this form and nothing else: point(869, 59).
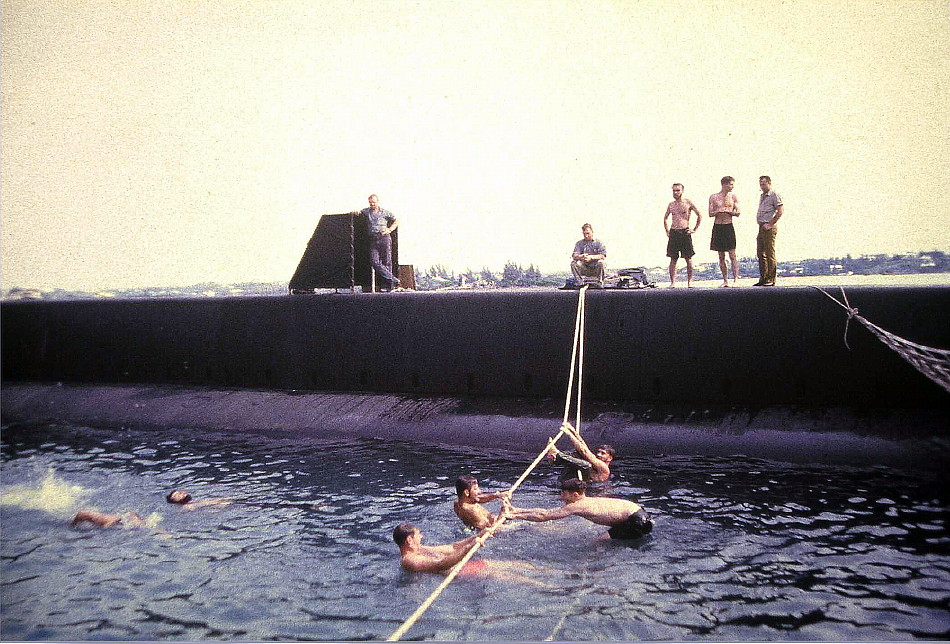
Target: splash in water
point(52, 495)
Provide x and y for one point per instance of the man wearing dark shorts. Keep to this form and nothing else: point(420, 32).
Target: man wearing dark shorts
point(680, 234)
point(637, 524)
point(625, 519)
point(723, 206)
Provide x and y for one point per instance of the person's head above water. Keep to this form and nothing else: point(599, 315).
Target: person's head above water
point(402, 532)
point(572, 490)
point(178, 497)
point(465, 483)
point(605, 453)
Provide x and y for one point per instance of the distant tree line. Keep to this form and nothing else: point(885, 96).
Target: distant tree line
point(514, 274)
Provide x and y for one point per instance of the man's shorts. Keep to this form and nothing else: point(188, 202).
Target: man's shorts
point(723, 237)
point(637, 525)
point(473, 568)
point(680, 244)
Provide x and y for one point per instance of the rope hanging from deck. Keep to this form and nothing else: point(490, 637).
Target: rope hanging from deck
point(577, 363)
point(933, 363)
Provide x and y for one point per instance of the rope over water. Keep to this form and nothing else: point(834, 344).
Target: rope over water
point(933, 363)
point(577, 363)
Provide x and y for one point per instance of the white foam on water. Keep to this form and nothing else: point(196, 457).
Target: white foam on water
point(53, 495)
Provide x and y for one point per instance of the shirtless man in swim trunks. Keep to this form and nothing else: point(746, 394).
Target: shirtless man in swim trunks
point(626, 519)
point(724, 205)
point(416, 557)
point(467, 506)
point(679, 233)
point(595, 465)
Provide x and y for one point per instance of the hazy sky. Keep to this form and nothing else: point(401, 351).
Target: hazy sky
point(156, 143)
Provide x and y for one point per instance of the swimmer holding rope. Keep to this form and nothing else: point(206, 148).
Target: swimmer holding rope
point(595, 466)
point(625, 519)
point(467, 506)
point(415, 557)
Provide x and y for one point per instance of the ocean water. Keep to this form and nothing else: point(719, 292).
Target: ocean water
point(743, 549)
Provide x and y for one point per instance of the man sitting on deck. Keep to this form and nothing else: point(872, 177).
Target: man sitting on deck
point(593, 467)
point(587, 260)
point(626, 519)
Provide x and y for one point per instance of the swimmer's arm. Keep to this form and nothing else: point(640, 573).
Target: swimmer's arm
point(537, 515)
point(485, 498)
point(451, 553)
point(203, 503)
point(464, 545)
point(595, 463)
point(579, 444)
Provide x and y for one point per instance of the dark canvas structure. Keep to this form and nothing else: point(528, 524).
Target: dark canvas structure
point(337, 255)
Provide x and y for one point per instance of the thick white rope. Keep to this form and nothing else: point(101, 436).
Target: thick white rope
point(582, 307)
point(453, 573)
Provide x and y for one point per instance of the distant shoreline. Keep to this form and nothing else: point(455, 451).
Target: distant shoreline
point(246, 289)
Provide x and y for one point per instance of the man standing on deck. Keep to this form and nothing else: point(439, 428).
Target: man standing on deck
point(380, 224)
point(588, 257)
point(724, 205)
point(626, 519)
point(680, 240)
point(770, 211)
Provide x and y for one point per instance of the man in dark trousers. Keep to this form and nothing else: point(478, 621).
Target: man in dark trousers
point(380, 224)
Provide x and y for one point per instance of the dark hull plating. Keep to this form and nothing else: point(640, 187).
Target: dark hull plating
point(660, 365)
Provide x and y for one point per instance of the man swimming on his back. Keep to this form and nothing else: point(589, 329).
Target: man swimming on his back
point(182, 498)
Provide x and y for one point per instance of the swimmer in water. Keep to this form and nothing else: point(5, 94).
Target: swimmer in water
point(594, 466)
point(103, 520)
point(625, 519)
point(416, 557)
point(468, 506)
point(182, 498)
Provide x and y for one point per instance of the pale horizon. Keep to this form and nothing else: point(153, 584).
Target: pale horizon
point(175, 143)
